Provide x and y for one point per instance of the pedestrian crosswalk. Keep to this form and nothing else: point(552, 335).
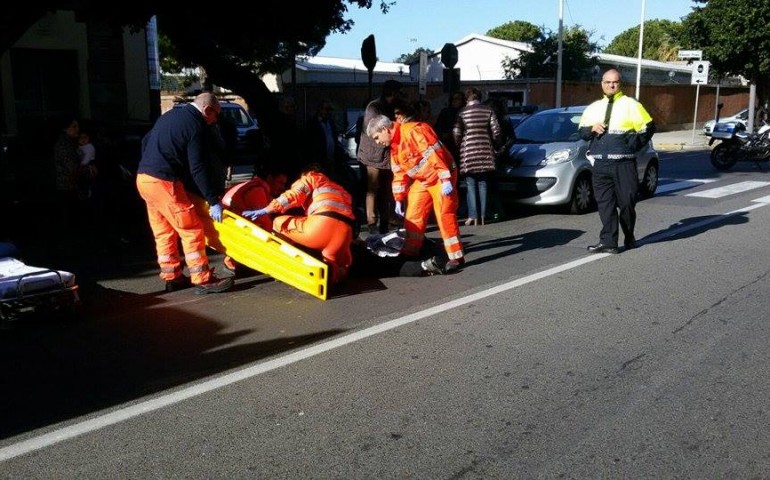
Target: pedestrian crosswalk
point(670, 186)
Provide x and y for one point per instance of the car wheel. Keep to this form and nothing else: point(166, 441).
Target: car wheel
point(649, 181)
point(582, 195)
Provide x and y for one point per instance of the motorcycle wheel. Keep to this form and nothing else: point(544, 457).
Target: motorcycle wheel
point(724, 156)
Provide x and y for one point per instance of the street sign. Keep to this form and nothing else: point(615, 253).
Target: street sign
point(700, 73)
point(697, 54)
point(369, 52)
point(449, 55)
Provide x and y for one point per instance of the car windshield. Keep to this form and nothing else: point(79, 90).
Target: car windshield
point(237, 116)
point(549, 127)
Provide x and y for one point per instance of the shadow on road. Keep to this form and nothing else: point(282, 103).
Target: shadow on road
point(54, 371)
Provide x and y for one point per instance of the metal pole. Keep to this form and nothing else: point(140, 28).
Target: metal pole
point(695, 115)
point(559, 53)
point(752, 103)
point(639, 60)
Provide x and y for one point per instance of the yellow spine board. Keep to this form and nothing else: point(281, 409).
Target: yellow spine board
point(256, 248)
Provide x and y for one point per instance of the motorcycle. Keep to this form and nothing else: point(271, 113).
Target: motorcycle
point(738, 145)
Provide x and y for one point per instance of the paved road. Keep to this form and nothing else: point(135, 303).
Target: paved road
point(537, 360)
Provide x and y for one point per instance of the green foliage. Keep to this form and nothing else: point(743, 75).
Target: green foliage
point(734, 37)
point(516, 31)
point(577, 62)
point(169, 62)
point(661, 41)
point(414, 57)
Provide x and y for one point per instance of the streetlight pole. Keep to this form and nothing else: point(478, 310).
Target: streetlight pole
point(639, 60)
point(559, 54)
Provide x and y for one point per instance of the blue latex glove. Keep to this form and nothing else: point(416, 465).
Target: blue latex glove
point(254, 214)
point(215, 211)
point(400, 209)
point(446, 188)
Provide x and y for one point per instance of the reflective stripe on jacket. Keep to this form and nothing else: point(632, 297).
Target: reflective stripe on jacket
point(315, 193)
point(630, 128)
point(417, 154)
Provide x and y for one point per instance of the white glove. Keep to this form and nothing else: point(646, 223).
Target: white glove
point(399, 209)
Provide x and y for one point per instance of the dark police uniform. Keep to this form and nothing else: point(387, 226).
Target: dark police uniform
point(615, 180)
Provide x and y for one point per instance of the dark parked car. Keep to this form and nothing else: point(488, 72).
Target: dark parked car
point(249, 137)
point(547, 163)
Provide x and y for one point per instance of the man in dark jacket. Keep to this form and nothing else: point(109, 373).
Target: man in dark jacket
point(176, 158)
point(375, 160)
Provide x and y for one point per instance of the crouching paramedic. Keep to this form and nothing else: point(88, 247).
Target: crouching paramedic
point(424, 175)
point(327, 225)
point(252, 195)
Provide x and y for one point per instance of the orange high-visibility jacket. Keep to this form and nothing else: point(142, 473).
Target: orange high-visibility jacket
point(317, 194)
point(251, 195)
point(417, 154)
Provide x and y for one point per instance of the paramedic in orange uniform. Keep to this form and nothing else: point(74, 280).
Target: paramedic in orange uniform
point(254, 194)
point(177, 158)
point(424, 175)
point(327, 225)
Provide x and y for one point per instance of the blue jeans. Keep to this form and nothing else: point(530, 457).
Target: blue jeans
point(476, 185)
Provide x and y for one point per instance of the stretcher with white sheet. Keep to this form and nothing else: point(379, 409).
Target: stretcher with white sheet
point(25, 289)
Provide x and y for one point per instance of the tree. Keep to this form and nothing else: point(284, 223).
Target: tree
point(734, 38)
point(233, 51)
point(661, 41)
point(414, 57)
point(516, 31)
point(577, 62)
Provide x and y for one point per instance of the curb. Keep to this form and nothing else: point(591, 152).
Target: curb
point(679, 147)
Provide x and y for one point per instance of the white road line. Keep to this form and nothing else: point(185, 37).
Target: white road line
point(682, 184)
point(133, 411)
point(728, 189)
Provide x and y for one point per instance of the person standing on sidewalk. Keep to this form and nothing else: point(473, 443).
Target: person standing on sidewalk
point(177, 158)
point(616, 127)
point(376, 161)
point(476, 130)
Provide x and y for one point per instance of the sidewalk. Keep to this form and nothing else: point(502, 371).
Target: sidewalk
point(680, 140)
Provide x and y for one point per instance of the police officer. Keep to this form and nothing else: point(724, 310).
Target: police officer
point(617, 127)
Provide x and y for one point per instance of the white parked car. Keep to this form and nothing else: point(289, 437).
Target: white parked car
point(741, 117)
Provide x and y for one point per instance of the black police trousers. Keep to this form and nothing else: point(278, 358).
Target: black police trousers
point(615, 187)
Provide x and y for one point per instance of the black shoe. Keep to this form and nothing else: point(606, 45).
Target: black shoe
point(601, 248)
point(453, 265)
point(179, 283)
point(214, 285)
point(629, 243)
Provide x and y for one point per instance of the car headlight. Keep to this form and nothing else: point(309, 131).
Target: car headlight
point(559, 156)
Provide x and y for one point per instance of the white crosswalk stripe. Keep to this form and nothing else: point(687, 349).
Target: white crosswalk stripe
point(729, 189)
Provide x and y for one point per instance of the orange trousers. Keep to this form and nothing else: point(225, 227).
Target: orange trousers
point(328, 235)
point(172, 218)
point(420, 201)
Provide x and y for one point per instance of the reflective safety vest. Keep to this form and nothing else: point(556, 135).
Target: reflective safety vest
point(416, 154)
point(317, 195)
point(630, 128)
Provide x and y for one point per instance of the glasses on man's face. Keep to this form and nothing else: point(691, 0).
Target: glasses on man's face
point(610, 82)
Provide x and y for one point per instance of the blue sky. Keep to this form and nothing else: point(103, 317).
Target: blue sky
point(432, 23)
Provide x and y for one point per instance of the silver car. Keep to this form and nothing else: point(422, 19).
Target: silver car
point(547, 164)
